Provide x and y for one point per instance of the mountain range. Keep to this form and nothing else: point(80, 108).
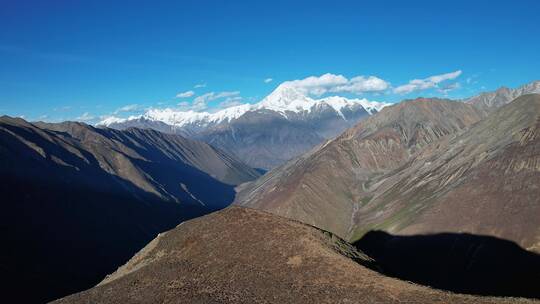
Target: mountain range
point(283, 125)
point(492, 100)
point(79, 201)
point(421, 166)
point(328, 185)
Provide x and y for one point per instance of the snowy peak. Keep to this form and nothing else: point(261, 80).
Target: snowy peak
point(182, 118)
point(110, 120)
point(174, 117)
point(286, 98)
point(338, 103)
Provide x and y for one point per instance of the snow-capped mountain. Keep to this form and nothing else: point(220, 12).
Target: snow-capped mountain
point(284, 124)
point(285, 100)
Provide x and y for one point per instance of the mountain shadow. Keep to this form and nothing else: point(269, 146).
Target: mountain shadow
point(78, 202)
point(457, 262)
point(58, 240)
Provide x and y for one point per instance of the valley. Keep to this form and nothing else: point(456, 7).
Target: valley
point(429, 191)
point(270, 152)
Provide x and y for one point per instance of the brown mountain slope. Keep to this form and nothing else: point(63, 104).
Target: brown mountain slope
point(242, 255)
point(484, 181)
point(326, 186)
point(76, 202)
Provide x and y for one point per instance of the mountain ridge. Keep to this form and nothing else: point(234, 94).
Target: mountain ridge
point(283, 125)
point(274, 260)
point(489, 101)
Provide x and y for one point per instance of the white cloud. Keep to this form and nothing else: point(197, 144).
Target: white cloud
point(231, 102)
point(128, 108)
point(184, 105)
point(85, 117)
point(473, 79)
point(199, 85)
point(63, 109)
point(185, 94)
point(226, 94)
point(449, 87)
point(362, 84)
point(200, 102)
point(426, 83)
point(314, 85)
point(268, 80)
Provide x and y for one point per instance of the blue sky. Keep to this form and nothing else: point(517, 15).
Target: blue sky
point(86, 59)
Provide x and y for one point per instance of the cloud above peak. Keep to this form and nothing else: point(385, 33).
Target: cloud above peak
point(313, 86)
point(128, 108)
point(231, 102)
point(426, 83)
point(332, 83)
point(185, 94)
point(201, 102)
point(361, 84)
point(86, 117)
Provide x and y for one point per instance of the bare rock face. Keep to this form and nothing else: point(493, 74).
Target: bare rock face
point(327, 186)
point(77, 202)
point(242, 255)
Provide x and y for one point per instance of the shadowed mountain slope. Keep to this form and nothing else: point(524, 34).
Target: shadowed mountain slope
point(242, 255)
point(79, 201)
point(326, 186)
